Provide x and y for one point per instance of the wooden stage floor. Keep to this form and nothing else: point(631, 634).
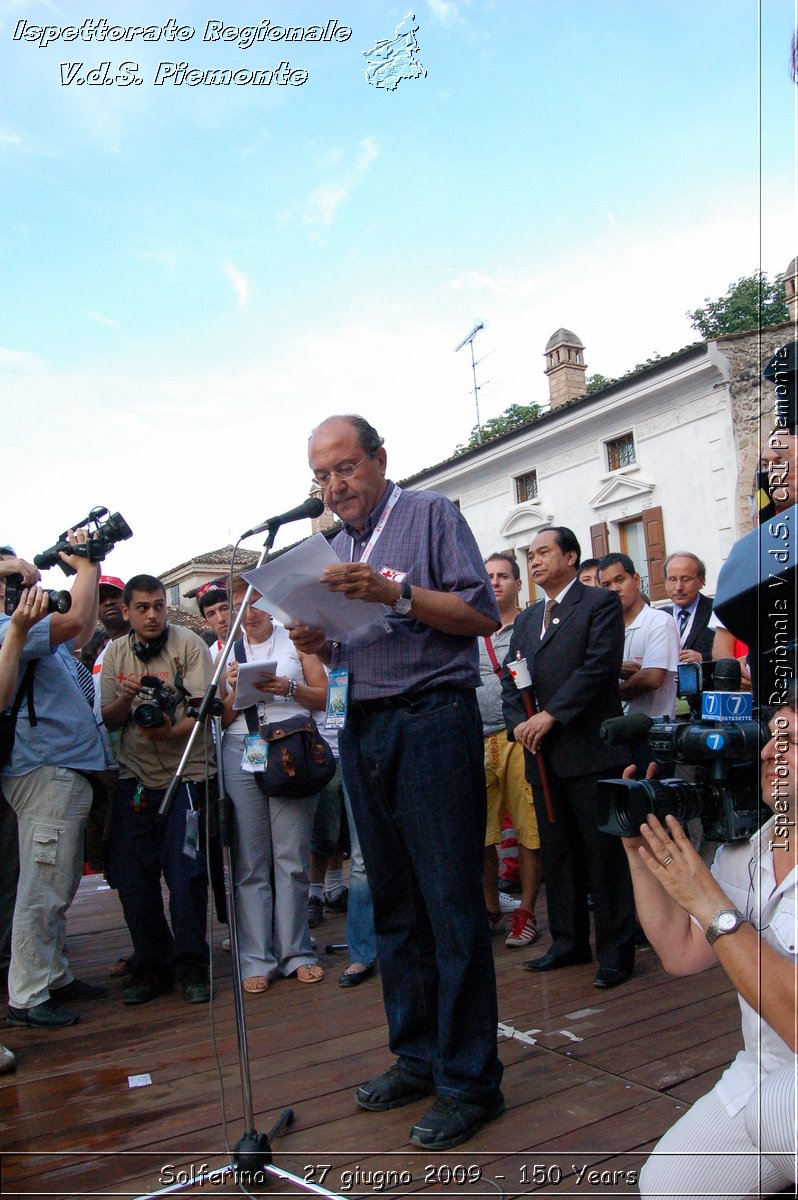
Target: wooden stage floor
point(129, 1101)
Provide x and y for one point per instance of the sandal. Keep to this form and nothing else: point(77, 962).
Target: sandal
point(255, 983)
point(310, 973)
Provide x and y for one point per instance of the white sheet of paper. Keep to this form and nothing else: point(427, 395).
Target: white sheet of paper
point(292, 592)
point(250, 673)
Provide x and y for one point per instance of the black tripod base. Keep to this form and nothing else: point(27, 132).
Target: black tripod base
point(252, 1155)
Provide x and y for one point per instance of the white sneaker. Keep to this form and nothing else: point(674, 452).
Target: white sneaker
point(508, 903)
point(226, 944)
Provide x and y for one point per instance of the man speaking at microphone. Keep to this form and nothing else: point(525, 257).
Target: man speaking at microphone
point(411, 757)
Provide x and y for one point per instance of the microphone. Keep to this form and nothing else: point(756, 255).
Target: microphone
point(312, 507)
point(620, 730)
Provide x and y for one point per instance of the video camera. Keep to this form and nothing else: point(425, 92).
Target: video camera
point(158, 703)
point(103, 536)
point(721, 740)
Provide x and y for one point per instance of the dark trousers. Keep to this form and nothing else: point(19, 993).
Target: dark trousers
point(146, 846)
point(578, 859)
point(415, 778)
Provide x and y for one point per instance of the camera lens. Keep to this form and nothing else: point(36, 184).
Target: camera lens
point(148, 716)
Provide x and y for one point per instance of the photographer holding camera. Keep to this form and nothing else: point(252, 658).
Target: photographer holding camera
point(740, 1138)
point(146, 678)
point(44, 781)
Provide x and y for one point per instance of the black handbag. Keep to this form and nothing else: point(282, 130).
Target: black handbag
point(299, 762)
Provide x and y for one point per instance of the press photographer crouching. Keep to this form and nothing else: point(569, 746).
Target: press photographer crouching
point(56, 741)
point(740, 1139)
point(147, 677)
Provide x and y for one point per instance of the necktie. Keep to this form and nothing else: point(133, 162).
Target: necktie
point(551, 608)
point(684, 617)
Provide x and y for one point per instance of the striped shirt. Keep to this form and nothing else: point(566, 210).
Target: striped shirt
point(426, 539)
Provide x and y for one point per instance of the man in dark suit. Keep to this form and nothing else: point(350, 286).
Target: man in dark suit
point(573, 646)
point(685, 575)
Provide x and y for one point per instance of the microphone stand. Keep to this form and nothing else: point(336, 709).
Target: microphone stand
point(252, 1157)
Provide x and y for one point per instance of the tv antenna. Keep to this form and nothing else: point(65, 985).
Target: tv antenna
point(468, 340)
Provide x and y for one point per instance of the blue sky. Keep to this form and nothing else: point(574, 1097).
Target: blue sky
point(192, 277)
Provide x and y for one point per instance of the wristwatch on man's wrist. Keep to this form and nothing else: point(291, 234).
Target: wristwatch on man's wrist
point(403, 602)
point(726, 921)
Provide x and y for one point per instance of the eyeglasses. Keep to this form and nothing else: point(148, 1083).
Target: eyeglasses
point(681, 578)
point(345, 471)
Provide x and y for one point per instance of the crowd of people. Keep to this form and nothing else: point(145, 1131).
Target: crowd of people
point(519, 696)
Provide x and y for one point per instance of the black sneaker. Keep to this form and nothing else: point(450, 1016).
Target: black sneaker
point(450, 1122)
point(195, 984)
point(146, 986)
point(47, 1015)
point(315, 912)
point(392, 1089)
point(78, 990)
point(339, 904)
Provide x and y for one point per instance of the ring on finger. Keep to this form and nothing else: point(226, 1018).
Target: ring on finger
point(666, 860)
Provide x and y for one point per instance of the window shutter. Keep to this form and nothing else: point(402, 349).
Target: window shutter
point(599, 540)
point(654, 533)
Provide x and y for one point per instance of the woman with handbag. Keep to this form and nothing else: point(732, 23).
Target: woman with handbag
point(271, 833)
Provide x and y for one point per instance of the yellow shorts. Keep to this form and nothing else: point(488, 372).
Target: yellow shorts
point(508, 791)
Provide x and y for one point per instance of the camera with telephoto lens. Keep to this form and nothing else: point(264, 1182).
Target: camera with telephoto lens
point(158, 704)
point(103, 536)
point(57, 602)
point(721, 741)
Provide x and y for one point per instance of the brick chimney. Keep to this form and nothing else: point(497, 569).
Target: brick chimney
point(565, 367)
point(327, 519)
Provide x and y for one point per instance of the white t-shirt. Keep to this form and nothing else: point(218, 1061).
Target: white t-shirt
point(745, 872)
point(281, 649)
point(652, 639)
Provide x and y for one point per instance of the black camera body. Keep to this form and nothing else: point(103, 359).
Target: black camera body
point(57, 602)
point(104, 536)
point(158, 704)
point(721, 741)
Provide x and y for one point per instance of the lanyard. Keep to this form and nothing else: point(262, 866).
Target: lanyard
point(372, 542)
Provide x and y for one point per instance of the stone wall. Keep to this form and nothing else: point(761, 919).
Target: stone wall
point(752, 402)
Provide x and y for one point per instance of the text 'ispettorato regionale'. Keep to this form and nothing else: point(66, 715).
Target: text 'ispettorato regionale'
point(243, 37)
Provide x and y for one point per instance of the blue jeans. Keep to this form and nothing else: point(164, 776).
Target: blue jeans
point(361, 939)
point(414, 774)
point(144, 847)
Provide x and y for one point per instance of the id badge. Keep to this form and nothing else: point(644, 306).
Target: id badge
point(337, 698)
point(191, 840)
point(256, 753)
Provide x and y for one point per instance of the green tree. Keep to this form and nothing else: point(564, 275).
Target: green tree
point(511, 418)
point(750, 303)
point(594, 383)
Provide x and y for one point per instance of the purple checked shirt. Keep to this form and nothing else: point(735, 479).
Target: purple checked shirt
point(428, 539)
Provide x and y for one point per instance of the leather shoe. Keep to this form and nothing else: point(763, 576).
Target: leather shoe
point(354, 978)
point(451, 1121)
point(393, 1089)
point(78, 990)
point(146, 986)
point(552, 962)
point(47, 1015)
point(609, 977)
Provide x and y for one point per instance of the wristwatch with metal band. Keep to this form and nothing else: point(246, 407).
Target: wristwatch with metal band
point(404, 600)
point(725, 921)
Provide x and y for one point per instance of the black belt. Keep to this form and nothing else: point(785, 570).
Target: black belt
point(404, 700)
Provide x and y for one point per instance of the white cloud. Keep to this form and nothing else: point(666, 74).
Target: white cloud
point(443, 10)
point(321, 206)
point(240, 282)
point(99, 317)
